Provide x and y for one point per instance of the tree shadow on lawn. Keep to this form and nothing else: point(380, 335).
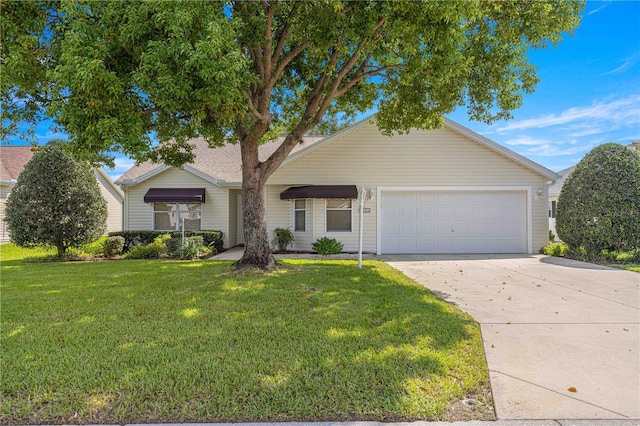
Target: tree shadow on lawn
point(192, 341)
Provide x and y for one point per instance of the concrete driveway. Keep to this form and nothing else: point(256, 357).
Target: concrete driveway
point(562, 338)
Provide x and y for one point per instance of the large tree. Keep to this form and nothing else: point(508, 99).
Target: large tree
point(56, 201)
point(119, 76)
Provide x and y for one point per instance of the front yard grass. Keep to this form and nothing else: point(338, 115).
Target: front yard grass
point(186, 341)
point(635, 267)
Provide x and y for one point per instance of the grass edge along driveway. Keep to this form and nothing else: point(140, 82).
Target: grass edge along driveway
point(178, 341)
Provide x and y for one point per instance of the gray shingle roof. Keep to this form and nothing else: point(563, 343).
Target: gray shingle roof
point(221, 163)
point(554, 190)
point(13, 160)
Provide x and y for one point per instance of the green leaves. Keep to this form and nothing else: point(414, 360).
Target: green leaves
point(599, 206)
point(56, 201)
point(119, 75)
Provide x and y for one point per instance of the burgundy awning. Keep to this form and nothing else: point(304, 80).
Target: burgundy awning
point(320, 191)
point(174, 195)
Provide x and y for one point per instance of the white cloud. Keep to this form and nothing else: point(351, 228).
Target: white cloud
point(612, 114)
point(122, 164)
point(627, 63)
point(598, 9)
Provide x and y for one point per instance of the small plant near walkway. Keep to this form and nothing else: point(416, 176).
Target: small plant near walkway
point(282, 238)
point(189, 341)
point(327, 246)
point(629, 260)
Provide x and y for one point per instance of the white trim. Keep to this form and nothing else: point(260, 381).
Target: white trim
point(326, 231)
point(327, 140)
point(452, 125)
point(200, 174)
point(163, 168)
point(111, 182)
point(528, 191)
point(304, 231)
point(448, 124)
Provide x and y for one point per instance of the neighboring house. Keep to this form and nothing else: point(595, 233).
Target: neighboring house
point(443, 191)
point(554, 193)
point(12, 162)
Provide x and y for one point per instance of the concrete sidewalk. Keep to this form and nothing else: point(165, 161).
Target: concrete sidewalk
point(421, 423)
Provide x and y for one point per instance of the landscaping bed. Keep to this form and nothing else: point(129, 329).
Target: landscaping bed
point(139, 341)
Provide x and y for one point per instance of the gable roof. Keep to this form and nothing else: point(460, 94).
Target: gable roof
point(219, 165)
point(554, 190)
point(12, 161)
point(448, 124)
point(223, 165)
point(14, 158)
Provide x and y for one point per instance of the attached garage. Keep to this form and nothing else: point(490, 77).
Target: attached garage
point(443, 220)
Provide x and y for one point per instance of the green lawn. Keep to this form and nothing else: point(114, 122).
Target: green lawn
point(634, 267)
point(178, 341)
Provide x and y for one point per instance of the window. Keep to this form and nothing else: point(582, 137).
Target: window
point(169, 216)
point(552, 209)
point(300, 215)
point(338, 215)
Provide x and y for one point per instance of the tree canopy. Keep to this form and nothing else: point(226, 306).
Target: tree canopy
point(121, 76)
point(56, 201)
point(599, 205)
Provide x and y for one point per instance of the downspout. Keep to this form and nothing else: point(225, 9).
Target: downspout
point(363, 193)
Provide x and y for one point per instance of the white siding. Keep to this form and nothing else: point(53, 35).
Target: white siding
point(233, 217)
point(114, 203)
point(422, 158)
point(215, 210)
point(4, 192)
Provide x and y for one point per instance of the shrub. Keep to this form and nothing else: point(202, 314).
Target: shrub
point(56, 201)
point(555, 249)
point(599, 205)
point(629, 256)
point(113, 246)
point(153, 250)
point(192, 248)
point(326, 246)
point(211, 239)
point(552, 236)
point(174, 244)
point(282, 239)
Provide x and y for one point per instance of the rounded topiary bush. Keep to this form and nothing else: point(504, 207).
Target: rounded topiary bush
point(599, 205)
point(56, 201)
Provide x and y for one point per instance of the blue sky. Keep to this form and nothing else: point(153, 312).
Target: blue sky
point(589, 93)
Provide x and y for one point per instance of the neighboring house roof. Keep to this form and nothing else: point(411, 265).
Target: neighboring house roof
point(12, 161)
point(14, 158)
point(554, 190)
point(223, 165)
point(220, 165)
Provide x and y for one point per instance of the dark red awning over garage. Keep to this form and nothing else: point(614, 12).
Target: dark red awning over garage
point(174, 195)
point(320, 191)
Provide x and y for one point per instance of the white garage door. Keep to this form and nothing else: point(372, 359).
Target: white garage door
point(453, 222)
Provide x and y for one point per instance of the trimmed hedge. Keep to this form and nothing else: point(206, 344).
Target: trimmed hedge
point(599, 205)
point(135, 238)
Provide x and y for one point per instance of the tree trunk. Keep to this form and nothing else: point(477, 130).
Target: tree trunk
point(257, 251)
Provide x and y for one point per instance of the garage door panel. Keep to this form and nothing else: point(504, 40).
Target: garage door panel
point(453, 222)
point(426, 230)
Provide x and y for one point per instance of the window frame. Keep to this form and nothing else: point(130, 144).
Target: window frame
point(327, 209)
point(177, 212)
point(295, 216)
